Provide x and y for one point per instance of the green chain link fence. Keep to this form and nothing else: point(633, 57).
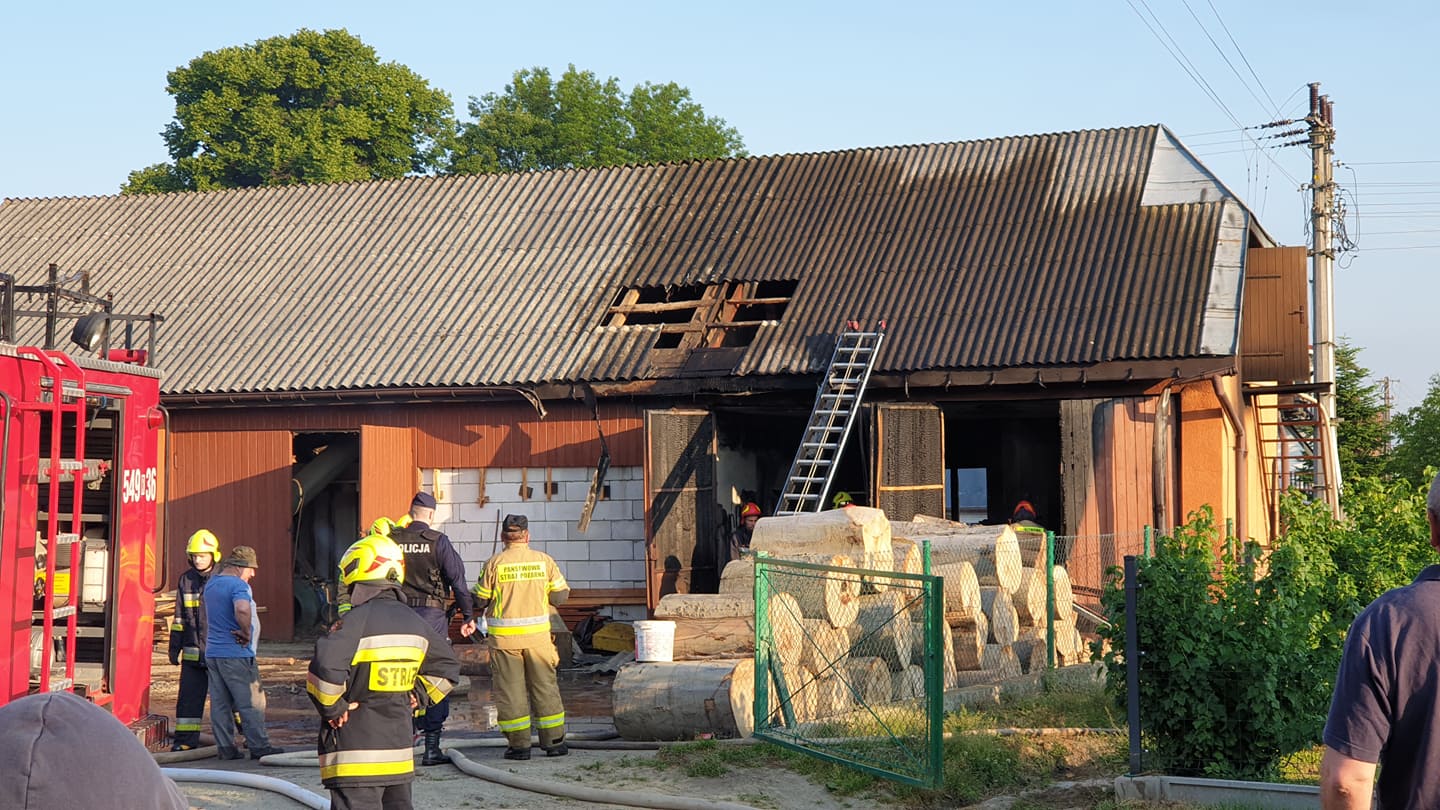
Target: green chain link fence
point(850, 668)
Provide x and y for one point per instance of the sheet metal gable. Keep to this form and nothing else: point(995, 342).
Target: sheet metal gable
point(985, 254)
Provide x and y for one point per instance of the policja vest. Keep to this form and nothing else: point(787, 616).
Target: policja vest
point(424, 583)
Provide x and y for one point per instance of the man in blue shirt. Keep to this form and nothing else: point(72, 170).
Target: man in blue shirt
point(230, 635)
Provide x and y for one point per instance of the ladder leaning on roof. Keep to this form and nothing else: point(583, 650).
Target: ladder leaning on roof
point(837, 401)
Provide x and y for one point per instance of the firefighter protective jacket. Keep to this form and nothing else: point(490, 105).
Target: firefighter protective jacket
point(187, 631)
point(382, 654)
point(520, 584)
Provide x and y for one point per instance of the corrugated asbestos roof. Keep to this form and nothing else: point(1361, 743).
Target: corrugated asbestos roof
point(1023, 251)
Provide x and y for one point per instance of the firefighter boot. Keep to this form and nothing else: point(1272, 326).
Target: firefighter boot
point(433, 754)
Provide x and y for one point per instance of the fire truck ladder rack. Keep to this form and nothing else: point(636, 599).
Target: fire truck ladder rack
point(65, 396)
point(837, 401)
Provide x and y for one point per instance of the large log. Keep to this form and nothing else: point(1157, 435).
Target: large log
point(1033, 654)
point(962, 591)
point(870, 680)
point(1000, 658)
point(680, 700)
point(968, 640)
point(1032, 548)
point(946, 651)
point(907, 684)
point(992, 550)
point(738, 577)
point(859, 531)
point(832, 697)
point(1064, 596)
point(1029, 597)
point(730, 636)
point(799, 688)
point(785, 620)
point(907, 556)
point(1004, 624)
point(882, 630)
point(825, 647)
point(704, 606)
point(830, 596)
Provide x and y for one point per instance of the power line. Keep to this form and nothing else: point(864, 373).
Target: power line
point(1258, 83)
point(1221, 51)
point(1177, 53)
point(1387, 162)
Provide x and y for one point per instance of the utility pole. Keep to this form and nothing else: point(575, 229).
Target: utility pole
point(1389, 400)
point(1322, 260)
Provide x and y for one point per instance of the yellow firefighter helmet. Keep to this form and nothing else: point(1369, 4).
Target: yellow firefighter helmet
point(204, 541)
point(373, 558)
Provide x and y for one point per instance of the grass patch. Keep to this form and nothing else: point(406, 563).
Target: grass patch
point(1080, 708)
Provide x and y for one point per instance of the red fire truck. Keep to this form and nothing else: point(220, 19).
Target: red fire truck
point(80, 561)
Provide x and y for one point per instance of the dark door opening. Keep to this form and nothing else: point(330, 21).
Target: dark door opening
point(1017, 446)
point(325, 519)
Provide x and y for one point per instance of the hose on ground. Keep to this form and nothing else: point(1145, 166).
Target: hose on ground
point(172, 757)
point(629, 798)
point(253, 781)
point(599, 741)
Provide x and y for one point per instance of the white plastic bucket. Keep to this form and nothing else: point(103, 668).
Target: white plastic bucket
point(654, 640)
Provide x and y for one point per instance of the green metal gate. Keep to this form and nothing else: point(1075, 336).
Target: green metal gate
point(848, 666)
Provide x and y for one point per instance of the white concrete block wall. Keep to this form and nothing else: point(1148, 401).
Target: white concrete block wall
point(611, 554)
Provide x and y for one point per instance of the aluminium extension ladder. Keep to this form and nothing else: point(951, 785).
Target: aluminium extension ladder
point(837, 401)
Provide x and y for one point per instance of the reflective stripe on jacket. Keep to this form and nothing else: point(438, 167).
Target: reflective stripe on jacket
point(382, 654)
point(187, 631)
point(517, 583)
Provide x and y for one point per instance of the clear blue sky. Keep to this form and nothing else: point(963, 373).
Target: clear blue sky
point(84, 89)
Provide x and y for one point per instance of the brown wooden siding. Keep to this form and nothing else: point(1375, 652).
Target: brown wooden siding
point(238, 486)
point(500, 434)
point(387, 471)
point(1106, 451)
point(1275, 322)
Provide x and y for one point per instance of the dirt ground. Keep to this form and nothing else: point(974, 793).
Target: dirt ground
point(1083, 780)
point(292, 724)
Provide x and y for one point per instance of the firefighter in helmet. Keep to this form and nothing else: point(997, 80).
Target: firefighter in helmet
point(187, 638)
point(514, 594)
point(740, 536)
point(368, 677)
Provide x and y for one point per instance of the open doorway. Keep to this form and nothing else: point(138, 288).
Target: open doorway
point(999, 453)
point(325, 519)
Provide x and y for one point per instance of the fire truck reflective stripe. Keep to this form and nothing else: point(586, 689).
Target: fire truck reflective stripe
point(550, 720)
point(190, 654)
point(187, 724)
point(324, 691)
point(191, 600)
point(520, 724)
point(377, 762)
point(436, 688)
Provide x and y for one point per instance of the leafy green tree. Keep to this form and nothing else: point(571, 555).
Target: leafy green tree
point(580, 121)
point(312, 107)
point(1417, 437)
point(1362, 432)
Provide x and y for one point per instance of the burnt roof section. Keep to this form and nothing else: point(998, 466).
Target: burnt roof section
point(992, 254)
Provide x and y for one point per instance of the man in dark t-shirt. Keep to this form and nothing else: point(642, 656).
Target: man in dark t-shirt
point(1386, 698)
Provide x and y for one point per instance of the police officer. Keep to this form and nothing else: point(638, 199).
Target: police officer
point(515, 593)
point(368, 676)
point(433, 570)
point(187, 638)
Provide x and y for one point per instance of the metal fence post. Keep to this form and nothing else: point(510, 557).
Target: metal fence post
point(1050, 599)
point(1132, 661)
point(925, 557)
point(933, 589)
point(763, 637)
point(1147, 540)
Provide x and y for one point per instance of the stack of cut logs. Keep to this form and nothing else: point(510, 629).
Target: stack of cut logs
point(869, 627)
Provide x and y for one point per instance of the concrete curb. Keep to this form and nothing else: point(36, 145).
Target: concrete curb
point(1216, 792)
